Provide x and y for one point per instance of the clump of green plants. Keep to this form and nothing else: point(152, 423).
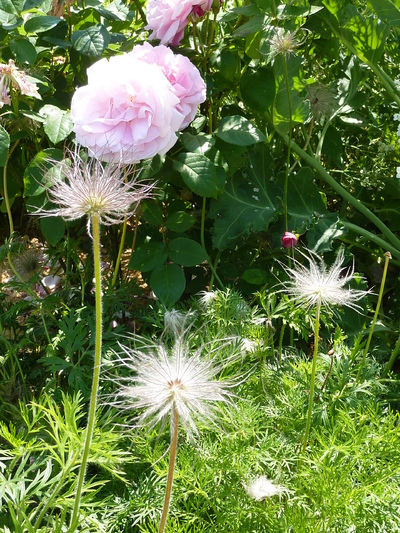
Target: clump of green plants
point(232, 166)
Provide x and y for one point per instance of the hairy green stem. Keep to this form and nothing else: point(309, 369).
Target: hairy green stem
point(312, 383)
point(372, 237)
point(96, 373)
point(316, 165)
point(171, 467)
point(5, 189)
point(378, 305)
point(289, 143)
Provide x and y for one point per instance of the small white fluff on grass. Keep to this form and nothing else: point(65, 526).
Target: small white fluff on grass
point(262, 488)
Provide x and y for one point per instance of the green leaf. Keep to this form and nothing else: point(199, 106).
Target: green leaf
point(10, 13)
point(250, 202)
point(255, 276)
point(299, 107)
point(303, 199)
point(321, 237)
point(239, 130)
point(53, 229)
point(35, 173)
point(333, 147)
point(179, 221)
point(91, 41)
point(39, 24)
point(251, 27)
point(387, 10)
point(229, 65)
point(367, 35)
point(186, 252)
point(200, 143)
point(258, 89)
point(4, 146)
point(364, 36)
point(58, 124)
point(149, 256)
point(168, 283)
point(200, 174)
point(24, 51)
point(152, 212)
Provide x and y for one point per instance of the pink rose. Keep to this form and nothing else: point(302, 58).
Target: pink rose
point(289, 240)
point(127, 112)
point(187, 83)
point(168, 18)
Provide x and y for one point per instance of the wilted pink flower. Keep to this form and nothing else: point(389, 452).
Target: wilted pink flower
point(168, 18)
point(289, 240)
point(187, 83)
point(127, 112)
point(11, 76)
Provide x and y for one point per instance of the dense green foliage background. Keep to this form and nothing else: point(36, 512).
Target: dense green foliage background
point(298, 133)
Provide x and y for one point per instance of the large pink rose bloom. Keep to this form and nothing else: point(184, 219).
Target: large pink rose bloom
point(186, 81)
point(168, 18)
point(127, 112)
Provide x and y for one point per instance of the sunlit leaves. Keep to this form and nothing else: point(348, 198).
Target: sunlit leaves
point(365, 36)
point(239, 130)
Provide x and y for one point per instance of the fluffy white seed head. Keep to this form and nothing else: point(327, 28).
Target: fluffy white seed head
point(318, 284)
point(87, 187)
point(166, 379)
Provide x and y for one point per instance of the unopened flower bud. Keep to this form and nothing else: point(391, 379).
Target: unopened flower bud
point(289, 240)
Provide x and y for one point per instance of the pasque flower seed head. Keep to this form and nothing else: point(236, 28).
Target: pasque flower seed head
point(87, 187)
point(172, 379)
point(317, 284)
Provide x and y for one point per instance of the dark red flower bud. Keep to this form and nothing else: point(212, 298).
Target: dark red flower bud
point(289, 240)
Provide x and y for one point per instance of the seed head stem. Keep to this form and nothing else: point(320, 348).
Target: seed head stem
point(312, 384)
point(378, 305)
point(171, 467)
point(95, 222)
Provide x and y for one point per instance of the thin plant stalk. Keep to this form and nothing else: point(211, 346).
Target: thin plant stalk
point(203, 244)
point(121, 246)
point(392, 359)
point(370, 236)
point(281, 342)
point(289, 143)
point(120, 250)
point(378, 305)
point(171, 468)
point(96, 372)
point(312, 383)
